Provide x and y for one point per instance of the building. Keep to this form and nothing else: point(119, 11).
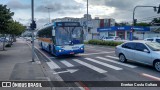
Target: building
point(126, 32)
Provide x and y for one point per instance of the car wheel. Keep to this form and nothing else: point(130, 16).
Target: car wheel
point(122, 58)
point(157, 66)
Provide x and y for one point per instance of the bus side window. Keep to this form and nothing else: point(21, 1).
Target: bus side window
point(54, 40)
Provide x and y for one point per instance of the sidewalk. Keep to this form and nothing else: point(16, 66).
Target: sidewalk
point(15, 63)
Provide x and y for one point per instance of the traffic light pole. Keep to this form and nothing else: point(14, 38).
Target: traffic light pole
point(134, 21)
point(87, 23)
point(32, 3)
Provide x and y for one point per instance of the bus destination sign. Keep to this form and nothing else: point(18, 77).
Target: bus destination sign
point(67, 24)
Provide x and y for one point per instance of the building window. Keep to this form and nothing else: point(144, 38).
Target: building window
point(111, 33)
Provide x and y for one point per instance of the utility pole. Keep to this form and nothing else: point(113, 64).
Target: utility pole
point(49, 12)
point(33, 26)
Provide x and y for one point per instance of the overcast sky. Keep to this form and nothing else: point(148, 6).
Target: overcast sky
point(120, 10)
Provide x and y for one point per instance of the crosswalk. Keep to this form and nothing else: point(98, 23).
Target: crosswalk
point(94, 63)
point(67, 63)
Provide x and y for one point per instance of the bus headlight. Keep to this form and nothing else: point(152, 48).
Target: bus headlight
point(60, 50)
point(82, 48)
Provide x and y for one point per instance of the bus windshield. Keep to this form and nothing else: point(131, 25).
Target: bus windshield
point(69, 35)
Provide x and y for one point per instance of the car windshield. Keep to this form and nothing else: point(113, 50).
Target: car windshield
point(153, 46)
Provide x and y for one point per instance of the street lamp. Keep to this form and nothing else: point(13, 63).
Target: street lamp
point(49, 12)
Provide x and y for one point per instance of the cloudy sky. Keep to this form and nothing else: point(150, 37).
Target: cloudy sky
point(120, 10)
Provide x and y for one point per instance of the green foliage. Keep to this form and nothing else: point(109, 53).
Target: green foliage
point(7, 25)
point(5, 18)
point(15, 28)
point(156, 20)
point(85, 42)
point(106, 43)
point(142, 24)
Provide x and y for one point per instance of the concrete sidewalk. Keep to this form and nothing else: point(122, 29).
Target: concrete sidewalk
point(15, 63)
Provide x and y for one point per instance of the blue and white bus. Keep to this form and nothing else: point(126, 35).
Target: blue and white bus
point(62, 38)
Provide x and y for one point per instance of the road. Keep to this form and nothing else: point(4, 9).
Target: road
point(98, 63)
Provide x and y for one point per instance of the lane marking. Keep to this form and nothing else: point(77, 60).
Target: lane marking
point(52, 57)
point(150, 76)
point(67, 63)
point(101, 47)
point(127, 65)
point(93, 49)
point(104, 64)
point(112, 57)
point(51, 64)
point(84, 86)
point(90, 66)
point(96, 53)
point(79, 86)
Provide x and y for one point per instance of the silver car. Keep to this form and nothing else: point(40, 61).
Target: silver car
point(140, 51)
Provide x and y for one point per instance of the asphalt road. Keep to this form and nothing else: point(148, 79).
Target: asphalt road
point(98, 63)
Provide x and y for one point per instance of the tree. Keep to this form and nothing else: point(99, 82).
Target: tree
point(142, 24)
point(122, 24)
point(156, 21)
point(15, 29)
point(5, 18)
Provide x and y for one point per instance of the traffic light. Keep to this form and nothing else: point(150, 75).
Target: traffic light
point(158, 9)
point(33, 25)
point(135, 21)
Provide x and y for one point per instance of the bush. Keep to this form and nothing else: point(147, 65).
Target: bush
point(8, 45)
point(107, 43)
point(85, 42)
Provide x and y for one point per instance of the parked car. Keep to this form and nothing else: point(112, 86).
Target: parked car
point(28, 38)
point(154, 39)
point(145, 52)
point(2, 39)
point(112, 38)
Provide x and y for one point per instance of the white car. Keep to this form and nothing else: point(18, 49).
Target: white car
point(145, 52)
point(112, 38)
point(28, 38)
point(154, 39)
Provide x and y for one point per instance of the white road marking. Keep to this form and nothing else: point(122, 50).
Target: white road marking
point(96, 53)
point(67, 63)
point(90, 48)
point(79, 86)
point(150, 76)
point(90, 66)
point(112, 57)
point(51, 64)
point(104, 64)
point(127, 65)
point(52, 57)
point(68, 70)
